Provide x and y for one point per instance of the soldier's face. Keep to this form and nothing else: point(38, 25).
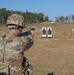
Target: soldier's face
point(15, 31)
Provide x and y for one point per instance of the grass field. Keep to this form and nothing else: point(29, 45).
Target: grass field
point(52, 55)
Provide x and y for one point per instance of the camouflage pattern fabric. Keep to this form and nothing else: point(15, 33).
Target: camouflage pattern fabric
point(16, 19)
point(12, 54)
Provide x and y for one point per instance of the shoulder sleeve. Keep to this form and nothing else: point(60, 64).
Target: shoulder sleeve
point(28, 43)
point(2, 39)
point(0, 44)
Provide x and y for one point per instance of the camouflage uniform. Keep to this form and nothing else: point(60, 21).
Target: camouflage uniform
point(12, 61)
point(13, 53)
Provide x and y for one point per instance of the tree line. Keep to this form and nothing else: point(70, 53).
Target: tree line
point(69, 18)
point(29, 16)
point(32, 17)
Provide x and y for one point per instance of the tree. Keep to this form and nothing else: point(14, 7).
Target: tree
point(40, 17)
point(73, 18)
point(62, 19)
point(29, 16)
point(46, 18)
point(57, 19)
point(66, 18)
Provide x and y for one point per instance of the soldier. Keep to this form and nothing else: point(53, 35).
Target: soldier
point(12, 47)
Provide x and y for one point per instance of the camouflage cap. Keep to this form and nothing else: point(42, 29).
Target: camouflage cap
point(16, 19)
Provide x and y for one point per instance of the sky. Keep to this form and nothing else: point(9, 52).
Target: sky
point(50, 8)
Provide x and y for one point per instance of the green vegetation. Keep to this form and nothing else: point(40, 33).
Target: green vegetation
point(29, 16)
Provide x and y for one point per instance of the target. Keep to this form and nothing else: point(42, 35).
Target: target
point(43, 30)
point(49, 32)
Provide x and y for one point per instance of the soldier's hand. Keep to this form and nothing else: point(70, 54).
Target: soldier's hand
point(32, 30)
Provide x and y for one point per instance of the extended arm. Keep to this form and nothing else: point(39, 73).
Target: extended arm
point(29, 40)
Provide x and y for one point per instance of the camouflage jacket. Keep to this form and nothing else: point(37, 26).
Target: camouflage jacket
point(11, 48)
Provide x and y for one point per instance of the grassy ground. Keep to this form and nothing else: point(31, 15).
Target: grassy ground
point(55, 54)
